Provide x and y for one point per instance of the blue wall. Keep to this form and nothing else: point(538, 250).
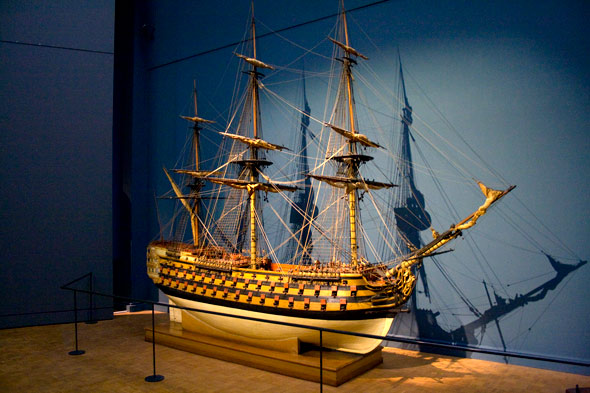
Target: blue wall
point(56, 153)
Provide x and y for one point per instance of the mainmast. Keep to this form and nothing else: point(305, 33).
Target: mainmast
point(252, 166)
point(353, 165)
point(253, 151)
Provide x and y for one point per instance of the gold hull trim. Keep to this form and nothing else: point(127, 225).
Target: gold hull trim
point(269, 332)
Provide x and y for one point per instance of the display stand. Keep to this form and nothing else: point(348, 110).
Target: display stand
point(287, 357)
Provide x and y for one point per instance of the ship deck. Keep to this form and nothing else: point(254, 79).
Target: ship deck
point(117, 359)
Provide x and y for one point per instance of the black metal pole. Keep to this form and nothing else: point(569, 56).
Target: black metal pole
point(76, 351)
point(91, 312)
point(154, 377)
point(321, 364)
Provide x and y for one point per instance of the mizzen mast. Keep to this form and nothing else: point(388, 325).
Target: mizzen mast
point(197, 184)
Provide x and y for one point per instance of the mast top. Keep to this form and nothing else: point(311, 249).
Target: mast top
point(348, 49)
point(354, 136)
point(254, 62)
point(345, 46)
point(196, 119)
point(255, 142)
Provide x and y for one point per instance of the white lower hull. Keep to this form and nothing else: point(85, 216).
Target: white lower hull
point(268, 331)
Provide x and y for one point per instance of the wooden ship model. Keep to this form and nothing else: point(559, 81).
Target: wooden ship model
point(344, 292)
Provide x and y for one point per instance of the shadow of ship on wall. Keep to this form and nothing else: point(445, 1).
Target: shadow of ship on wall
point(410, 218)
point(428, 328)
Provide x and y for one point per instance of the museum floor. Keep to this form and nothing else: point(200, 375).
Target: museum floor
point(117, 359)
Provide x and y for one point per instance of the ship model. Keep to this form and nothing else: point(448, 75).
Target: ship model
point(230, 269)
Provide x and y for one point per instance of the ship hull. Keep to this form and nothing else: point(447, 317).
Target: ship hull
point(337, 299)
point(271, 331)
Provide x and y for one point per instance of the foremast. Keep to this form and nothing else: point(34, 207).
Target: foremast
point(351, 161)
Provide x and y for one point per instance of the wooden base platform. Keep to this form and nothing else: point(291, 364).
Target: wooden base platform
point(337, 367)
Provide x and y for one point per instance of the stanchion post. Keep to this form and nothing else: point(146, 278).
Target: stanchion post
point(154, 377)
point(321, 363)
point(91, 320)
point(76, 351)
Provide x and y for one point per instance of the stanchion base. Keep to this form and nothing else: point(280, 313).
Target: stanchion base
point(154, 378)
point(77, 352)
